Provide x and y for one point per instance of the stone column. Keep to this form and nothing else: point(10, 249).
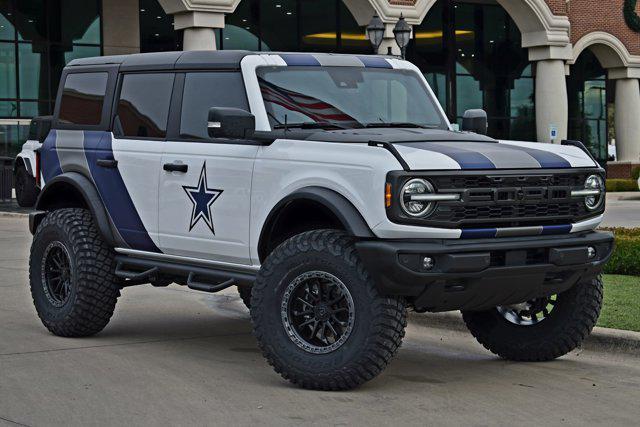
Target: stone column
point(199, 29)
point(120, 27)
point(627, 120)
point(552, 109)
point(198, 19)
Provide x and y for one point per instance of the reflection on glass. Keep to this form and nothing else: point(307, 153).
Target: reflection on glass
point(7, 70)
point(279, 25)
point(7, 31)
point(33, 108)
point(31, 86)
point(8, 108)
point(468, 94)
point(31, 20)
point(352, 35)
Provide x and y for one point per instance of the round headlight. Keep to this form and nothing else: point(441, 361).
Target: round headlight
point(410, 197)
point(594, 182)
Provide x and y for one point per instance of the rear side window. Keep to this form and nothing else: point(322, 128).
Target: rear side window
point(83, 98)
point(143, 107)
point(203, 91)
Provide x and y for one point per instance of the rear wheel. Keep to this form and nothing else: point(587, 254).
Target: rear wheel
point(318, 316)
point(541, 329)
point(71, 272)
point(26, 189)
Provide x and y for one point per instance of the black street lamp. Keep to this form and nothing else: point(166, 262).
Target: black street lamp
point(402, 34)
point(375, 32)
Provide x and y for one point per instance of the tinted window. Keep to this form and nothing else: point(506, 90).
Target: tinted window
point(203, 91)
point(143, 106)
point(82, 98)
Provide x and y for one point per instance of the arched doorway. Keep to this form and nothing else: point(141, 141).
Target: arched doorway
point(472, 56)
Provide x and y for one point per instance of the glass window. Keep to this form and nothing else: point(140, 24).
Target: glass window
point(156, 29)
point(144, 102)
point(32, 84)
point(346, 96)
point(318, 25)
point(352, 35)
point(7, 70)
point(279, 25)
point(75, 21)
point(203, 91)
point(6, 27)
point(31, 20)
point(83, 98)
point(241, 28)
point(33, 108)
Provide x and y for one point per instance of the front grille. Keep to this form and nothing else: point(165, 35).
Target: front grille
point(495, 199)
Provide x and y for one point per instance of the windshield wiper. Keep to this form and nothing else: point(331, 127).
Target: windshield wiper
point(397, 125)
point(308, 125)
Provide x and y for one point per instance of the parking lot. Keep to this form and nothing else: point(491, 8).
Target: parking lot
point(173, 356)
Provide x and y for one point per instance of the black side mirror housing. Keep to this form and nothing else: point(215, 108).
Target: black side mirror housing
point(232, 123)
point(475, 121)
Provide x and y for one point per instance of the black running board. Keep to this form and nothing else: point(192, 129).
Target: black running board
point(137, 271)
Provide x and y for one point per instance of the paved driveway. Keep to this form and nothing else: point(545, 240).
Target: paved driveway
point(176, 357)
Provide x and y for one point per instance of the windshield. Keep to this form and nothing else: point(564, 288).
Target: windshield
point(346, 97)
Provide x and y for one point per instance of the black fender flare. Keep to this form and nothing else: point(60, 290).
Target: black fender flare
point(25, 162)
point(89, 194)
point(340, 206)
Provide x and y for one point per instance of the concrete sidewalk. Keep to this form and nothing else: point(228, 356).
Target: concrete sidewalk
point(172, 356)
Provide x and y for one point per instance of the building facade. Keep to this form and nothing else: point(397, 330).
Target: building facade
point(543, 70)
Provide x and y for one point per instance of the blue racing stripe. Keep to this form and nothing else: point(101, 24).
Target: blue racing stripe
point(466, 159)
point(545, 158)
point(114, 194)
point(374, 61)
point(556, 229)
point(299, 59)
point(478, 233)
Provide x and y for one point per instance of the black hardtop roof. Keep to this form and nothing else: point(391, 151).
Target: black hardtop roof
point(168, 60)
point(202, 59)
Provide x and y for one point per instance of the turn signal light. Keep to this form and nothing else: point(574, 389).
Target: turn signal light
point(387, 195)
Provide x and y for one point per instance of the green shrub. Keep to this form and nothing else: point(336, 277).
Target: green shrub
point(614, 185)
point(626, 255)
point(635, 173)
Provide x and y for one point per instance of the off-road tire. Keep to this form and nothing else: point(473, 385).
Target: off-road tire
point(245, 295)
point(570, 322)
point(94, 288)
point(379, 321)
point(26, 189)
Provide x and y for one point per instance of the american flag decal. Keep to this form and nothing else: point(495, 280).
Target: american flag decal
point(316, 109)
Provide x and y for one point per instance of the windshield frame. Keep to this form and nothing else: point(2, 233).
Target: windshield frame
point(399, 66)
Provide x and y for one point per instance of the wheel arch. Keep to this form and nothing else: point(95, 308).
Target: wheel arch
point(72, 189)
point(306, 209)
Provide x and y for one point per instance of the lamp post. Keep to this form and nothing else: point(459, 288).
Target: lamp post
point(402, 34)
point(375, 32)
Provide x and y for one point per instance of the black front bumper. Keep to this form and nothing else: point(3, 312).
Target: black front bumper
point(478, 274)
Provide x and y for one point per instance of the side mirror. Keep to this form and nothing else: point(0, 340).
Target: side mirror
point(232, 123)
point(475, 121)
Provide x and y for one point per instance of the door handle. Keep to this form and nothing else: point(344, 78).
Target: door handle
point(175, 167)
point(107, 163)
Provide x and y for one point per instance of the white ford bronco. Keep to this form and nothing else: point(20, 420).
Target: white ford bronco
point(330, 189)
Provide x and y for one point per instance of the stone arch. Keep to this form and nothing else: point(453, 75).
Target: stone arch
point(609, 50)
point(538, 25)
point(362, 10)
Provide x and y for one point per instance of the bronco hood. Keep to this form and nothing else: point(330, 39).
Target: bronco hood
point(428, 149)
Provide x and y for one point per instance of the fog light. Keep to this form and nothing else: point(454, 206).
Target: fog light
point(591, 252)
point(427, 263)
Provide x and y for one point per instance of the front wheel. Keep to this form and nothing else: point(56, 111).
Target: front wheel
point(541, 329)
point(318, 317)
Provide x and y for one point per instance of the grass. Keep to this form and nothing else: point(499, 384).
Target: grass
point(621, 303)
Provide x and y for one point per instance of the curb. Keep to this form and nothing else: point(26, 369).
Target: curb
point(13, 214)
point(604, 340)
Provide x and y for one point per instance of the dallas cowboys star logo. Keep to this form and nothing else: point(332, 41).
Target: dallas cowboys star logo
point(202, 198)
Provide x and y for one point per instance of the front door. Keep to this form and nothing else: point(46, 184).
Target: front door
point(205, 185)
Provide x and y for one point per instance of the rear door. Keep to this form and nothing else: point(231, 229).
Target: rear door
point(140, 129)
point(205, 184)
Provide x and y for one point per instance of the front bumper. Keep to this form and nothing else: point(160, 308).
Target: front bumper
point(476, 274)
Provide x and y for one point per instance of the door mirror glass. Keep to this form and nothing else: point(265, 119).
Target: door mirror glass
point(475, 121)
point(233, 123)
